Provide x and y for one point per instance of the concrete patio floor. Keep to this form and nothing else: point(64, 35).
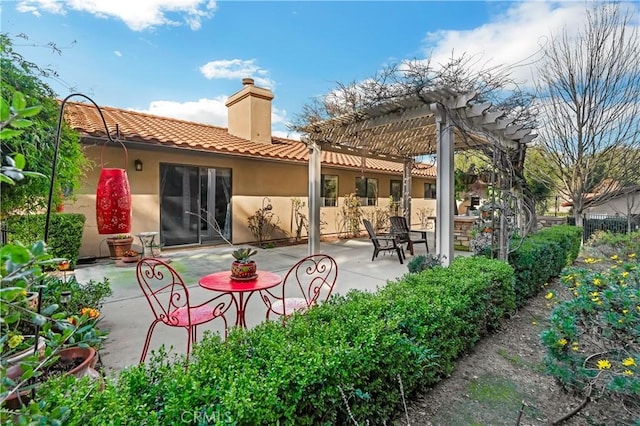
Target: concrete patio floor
point(127, 315)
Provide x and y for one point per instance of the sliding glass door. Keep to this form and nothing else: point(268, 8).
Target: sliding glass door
point(195, 205)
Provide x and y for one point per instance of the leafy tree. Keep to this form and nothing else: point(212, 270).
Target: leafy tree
point(35, 142)
point(589, 90)
point(537, 173)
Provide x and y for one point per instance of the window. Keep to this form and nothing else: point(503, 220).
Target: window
point(396, 190)
point(329, 190)
point(429, 190)
point(367, 191)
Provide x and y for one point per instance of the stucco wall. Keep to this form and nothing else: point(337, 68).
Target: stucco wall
point(623, 205)
point(252, 180)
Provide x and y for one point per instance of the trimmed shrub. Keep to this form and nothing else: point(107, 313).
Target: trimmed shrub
point(65, 233)
point(341, 362)
point(542, 256)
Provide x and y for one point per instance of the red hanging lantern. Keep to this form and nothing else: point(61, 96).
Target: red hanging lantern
point(113, 200)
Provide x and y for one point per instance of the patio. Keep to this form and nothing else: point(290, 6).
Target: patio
point(127, 315)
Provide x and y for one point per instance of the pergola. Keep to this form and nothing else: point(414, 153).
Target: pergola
point(402, 130)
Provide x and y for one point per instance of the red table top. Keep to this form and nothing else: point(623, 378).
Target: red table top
point(221, 281)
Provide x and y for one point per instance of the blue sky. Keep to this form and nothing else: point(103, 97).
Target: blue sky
point(183, 58)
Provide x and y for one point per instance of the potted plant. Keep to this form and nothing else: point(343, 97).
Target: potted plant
point(243, 267)
point(118, 244)
point(130, 256)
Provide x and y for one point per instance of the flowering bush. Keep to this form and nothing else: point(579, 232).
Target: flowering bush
point(593, 343)
point(482, 242)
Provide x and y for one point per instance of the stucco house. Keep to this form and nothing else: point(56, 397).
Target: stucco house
point(180, 171)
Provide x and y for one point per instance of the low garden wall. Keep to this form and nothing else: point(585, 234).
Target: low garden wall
point(349, 360)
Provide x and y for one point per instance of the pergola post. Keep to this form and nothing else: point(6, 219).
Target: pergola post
point(407, 165)
point(314, 197)
point(444, 185)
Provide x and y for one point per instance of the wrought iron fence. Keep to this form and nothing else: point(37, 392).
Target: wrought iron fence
point(592, 222)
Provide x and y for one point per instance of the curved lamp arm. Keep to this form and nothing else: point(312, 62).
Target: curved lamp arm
point(57, 148)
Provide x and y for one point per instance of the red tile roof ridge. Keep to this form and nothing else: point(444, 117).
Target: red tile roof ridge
point(135, 126)
point(146, 114)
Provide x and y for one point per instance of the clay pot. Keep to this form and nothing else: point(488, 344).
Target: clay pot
point(86, 368)
point(17, 358)
point(117, 246)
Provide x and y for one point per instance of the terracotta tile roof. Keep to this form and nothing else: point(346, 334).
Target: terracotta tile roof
point(170, 132)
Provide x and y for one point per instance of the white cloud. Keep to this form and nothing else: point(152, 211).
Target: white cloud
point(206, 111)
point(509, 38)
point(237, 69)
point(117, 53)
point(34, 7)
point(286, 134)
point(136, 14)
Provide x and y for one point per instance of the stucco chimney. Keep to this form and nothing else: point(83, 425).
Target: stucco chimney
point(249, 112)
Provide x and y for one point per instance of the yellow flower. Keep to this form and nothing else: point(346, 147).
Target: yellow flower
point(604, 364)
point(594, 294)
point(628, 362)
point(549, 295)
point(632, 255)
point(90, 312)
point(627, 373)
point(614, 257)
point(575, 346)
point(534, 322)
point(562, 342)
point(15, 340)
point(23, 292)
point(625, 311)
point(596, 281)
point(625, 274)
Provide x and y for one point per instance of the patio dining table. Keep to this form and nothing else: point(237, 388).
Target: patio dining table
point(222, 282)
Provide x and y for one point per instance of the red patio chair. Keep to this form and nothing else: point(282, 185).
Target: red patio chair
point(312, 278)
point(169, 300)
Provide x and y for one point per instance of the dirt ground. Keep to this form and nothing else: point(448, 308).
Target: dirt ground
point(503, 382)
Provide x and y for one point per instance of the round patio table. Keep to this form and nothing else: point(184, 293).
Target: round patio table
point(222, 282)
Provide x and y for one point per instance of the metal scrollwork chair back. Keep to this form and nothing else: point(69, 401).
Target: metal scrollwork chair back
point(309, 282)
point(168, 298)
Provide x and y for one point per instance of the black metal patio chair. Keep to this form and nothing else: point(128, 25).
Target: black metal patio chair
point(382, 242)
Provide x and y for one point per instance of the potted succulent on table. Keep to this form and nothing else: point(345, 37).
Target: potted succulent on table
point(243, 267)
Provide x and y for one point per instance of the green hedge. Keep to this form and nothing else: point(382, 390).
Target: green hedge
point(65, 233)
point(542, 256)
point(340, 363)
point(355, 348)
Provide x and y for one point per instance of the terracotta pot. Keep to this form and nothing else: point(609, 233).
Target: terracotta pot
point(17, 358)
point(243, 270)
point(19, 398)
point(117, 246)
